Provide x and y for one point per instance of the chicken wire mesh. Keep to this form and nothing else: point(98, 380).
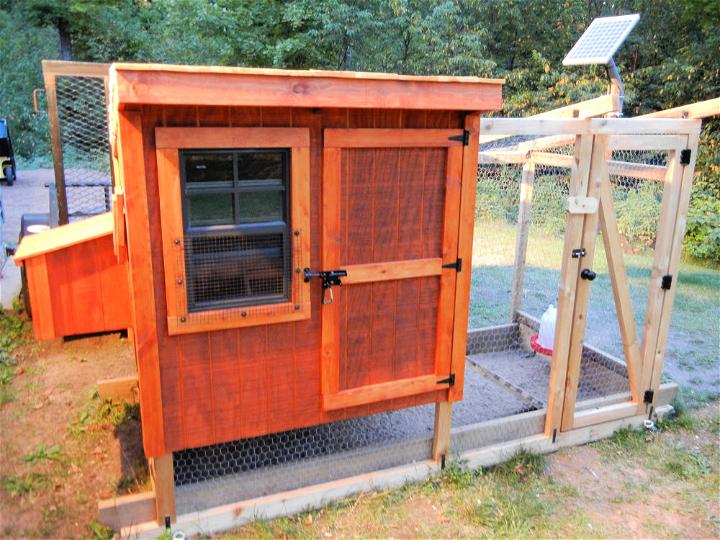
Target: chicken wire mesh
point(82, 116)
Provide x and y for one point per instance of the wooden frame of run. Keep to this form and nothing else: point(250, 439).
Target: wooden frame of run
point(591, 207)
point(335, 140)
point(169, 141)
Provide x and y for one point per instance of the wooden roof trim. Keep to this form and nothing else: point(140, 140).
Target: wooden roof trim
point(363, 75)
point(152, 84)
point(64, 236)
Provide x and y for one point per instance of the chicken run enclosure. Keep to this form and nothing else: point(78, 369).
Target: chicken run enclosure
point(335, 280)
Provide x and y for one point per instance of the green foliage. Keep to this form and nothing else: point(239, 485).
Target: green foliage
point(638, 212)
point(99, 414)
point(43, 453)
point(17, 486)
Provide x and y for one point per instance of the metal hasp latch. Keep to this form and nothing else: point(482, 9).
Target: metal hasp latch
point(329, 278)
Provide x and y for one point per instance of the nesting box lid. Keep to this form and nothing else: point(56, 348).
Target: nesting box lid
point(161, 84)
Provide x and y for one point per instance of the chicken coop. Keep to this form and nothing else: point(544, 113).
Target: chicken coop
point(336, 279)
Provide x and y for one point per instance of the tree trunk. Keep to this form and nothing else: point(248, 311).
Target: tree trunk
point(65, 40)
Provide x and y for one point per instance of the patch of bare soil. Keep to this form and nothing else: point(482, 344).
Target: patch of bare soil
point(62, 448)
point(625, 497)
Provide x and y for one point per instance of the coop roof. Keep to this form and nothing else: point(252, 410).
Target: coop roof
point(160, 84)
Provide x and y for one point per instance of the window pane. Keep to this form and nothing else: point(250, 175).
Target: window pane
point(261, 206)
point(210, 209)
point(236, 270)
point(210, 167)
point(260, 165)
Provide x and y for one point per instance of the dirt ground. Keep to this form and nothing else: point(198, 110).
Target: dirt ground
point(62, 447)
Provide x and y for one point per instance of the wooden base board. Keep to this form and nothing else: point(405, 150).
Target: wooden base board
point(300, 500)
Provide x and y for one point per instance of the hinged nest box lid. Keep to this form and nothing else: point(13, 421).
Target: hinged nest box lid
point(159, 84)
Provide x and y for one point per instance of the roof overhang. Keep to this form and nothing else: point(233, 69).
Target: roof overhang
point(160, 84)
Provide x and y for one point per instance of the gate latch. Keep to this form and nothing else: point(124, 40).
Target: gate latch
point(329, 278)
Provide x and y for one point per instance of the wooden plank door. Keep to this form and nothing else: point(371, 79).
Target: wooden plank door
point(391, 204)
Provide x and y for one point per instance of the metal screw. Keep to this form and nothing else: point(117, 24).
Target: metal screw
point(179, 281)
point(296, 232)
point(297, 307)
point(297, 270)
point(182, 319)
point(177, 242)
point(243, 313)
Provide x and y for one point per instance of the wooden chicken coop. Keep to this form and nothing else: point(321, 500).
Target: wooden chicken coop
point(295, 242)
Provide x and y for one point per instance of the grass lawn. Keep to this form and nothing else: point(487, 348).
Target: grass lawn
point(693, 352)
point(636, 484)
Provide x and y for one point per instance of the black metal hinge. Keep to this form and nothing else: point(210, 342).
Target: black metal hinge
point(450, 380)
point(666, 282)
point(577, 253)
point(464, 138)
point(648, 396)
point(457, 265)
point(685, 156)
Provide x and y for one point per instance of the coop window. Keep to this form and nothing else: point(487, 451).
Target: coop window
point(236, 222)
point(234, 218)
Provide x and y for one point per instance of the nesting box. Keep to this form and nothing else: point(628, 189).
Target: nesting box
point(298, 243)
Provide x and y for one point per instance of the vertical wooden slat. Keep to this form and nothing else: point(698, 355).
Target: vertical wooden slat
point(661, 266)
point(56, 142)
point(331, 242)
point(465, 240)
point(144, 320)
point(680, 223)
point(569, 271)
point(598, 172)
point(161, 473)
point(521, 240)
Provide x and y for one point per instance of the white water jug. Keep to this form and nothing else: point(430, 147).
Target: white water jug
point(547, 328)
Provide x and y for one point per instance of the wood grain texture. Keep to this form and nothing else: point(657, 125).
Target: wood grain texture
point(232, 383)
point(178, 85)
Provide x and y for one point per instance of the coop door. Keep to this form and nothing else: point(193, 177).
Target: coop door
point(391, 202)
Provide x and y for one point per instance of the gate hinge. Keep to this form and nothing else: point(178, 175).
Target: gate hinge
point(685, 156)
point(450, 380)
point(648, 396)
point(577, 253)
point(666, 282)
point(464, 138)
point(457, 265)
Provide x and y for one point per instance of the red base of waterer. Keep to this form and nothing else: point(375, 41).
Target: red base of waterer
point(537, 347)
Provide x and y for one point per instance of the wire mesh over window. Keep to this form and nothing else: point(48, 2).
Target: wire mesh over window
point(236, 220)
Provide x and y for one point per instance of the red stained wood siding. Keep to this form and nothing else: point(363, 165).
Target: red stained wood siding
point(238, 383)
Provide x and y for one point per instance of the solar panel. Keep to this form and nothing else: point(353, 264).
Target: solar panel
point(601, 39)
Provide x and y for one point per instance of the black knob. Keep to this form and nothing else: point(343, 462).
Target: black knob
point(588, 274)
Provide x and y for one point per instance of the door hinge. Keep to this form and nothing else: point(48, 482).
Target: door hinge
point(449, 381)
point(685, 156)
point(577, 253)
point(457, 265)
point(648, 396)
point(464, 138)
point(666, 282)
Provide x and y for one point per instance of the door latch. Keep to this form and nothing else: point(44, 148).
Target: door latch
point(329, 278)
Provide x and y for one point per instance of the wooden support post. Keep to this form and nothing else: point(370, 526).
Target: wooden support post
point(569, 272)
point(680, 222)
point(441, 433)
point(161, 472)
point(661, 267)
point(56, 144)
point(119, 389)
point(521, 241)
point(598, 174)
